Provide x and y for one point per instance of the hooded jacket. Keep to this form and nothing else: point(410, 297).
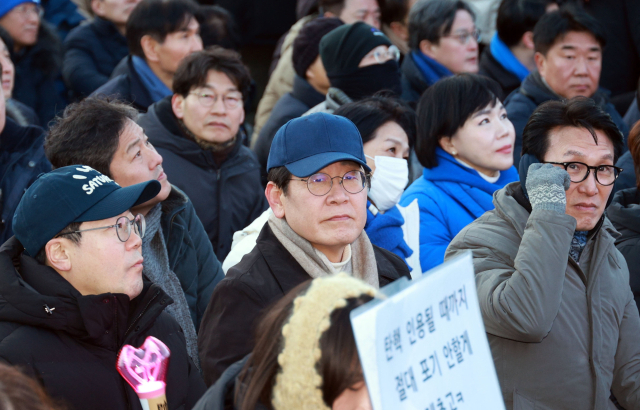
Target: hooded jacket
point(624, 213)
point(563, 335)
point(450, 197)
point(227, 196)
point(523, 101)
point(91, 52)
point(261, 278)
point(22, 159)
point(70, 342)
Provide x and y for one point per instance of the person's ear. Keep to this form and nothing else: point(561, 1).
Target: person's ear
point(177, 105)
point(446, 144)
point(400, 29)
point(149, 48)
point(275, 197)
point(527, 40)
point(96, 7)
point(58, 256)
point(428, 48)
point(541, 63)
point(328, 14)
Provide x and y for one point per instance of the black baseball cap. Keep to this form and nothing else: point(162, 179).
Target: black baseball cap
point(76, 193)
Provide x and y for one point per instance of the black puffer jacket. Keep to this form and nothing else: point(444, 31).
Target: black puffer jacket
point(72, 350)
point(91, 52)
point(38, 82)
point(227, 197)
point(263, 277)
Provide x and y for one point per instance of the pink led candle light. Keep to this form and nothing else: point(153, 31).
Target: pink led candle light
point(145, 369)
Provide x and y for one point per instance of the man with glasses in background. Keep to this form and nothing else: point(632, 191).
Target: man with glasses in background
point(553, 289)
point(197, 131)
point(72, 293)
point(318, 182)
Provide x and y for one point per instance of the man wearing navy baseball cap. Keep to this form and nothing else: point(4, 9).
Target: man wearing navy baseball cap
point(318, 181)
point(72, 291)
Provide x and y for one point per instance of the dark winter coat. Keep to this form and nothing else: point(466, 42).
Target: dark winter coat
point(227, 197)
point(63, 15)
point(412, 81)
point(292, 105)
point(261, 278)
point(624, 213)
point(533, 92)
point(490, 67)
point(70, 342)
point(22, 159)
point(37, 82)
point(627, 178)
point(91, 52)
point(127, 86)
point(21, 113)
point(190, 253)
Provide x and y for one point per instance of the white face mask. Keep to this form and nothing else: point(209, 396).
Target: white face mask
point(388, 182)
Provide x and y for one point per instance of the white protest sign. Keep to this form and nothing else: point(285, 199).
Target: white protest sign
point(425, 346)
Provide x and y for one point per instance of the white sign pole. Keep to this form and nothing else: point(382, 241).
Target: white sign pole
point(425, 346)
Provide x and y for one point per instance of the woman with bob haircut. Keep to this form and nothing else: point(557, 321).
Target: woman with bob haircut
point(388, 127)
point(465, 143)
point(305, 355)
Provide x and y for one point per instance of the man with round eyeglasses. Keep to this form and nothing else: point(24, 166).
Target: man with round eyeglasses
point(553, 289)
point(318, 183)
point(72, 293)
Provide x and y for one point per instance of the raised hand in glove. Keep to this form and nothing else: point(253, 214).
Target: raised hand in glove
point(546, 186)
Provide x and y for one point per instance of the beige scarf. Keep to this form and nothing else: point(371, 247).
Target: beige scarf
point(363, 260)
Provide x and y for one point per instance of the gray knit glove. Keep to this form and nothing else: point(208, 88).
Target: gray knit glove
point(546, 186)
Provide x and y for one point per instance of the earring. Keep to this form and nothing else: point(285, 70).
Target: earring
point(454, 152)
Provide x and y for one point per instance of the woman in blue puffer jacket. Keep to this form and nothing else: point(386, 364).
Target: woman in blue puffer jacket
point(465, 143)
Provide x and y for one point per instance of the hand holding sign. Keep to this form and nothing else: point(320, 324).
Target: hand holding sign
point(145, 369)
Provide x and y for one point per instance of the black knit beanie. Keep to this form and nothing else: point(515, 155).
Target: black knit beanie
point(342, 49)
point(306, 45)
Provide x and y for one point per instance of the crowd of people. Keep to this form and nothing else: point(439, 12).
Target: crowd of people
point(151, 186)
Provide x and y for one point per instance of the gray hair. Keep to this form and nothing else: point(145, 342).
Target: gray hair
point(432, 19)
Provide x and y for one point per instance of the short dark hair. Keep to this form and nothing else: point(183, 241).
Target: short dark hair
point(446, 106)
point(331, 6)
point(157, 18)
point(634, 149)
point(432, 19)
point(41, 256)
point(281, 177)
point(578, 112)
point(516, 17)
point(556, 24)
point(88, 133)
point(371, 113)
point(217, 27)
point(194, 69)
point(393, 10)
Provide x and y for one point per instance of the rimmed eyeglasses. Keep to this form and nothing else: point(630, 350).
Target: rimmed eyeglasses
point(123, 227)
point(579, 171)
point(320, 184)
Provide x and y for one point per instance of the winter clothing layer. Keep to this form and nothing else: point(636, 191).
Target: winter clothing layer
point(126, 85)
point(221, 396)
point(63, 15)
point(70, 342)
point(21, 113)
point(91, 52)
point(412, 81)
point(563, 335)
point(227, 196)
point(335, 99)
point(22, 159)
point(292, 105)
point(37, 83)
point(385, 231)
point(263, 276)
point(624, 213)
point(533, 92)
point(627, 179)
point(450, 197)
point(490, 67)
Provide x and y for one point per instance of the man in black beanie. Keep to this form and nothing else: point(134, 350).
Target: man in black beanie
point(310, 84)
point(360, 61)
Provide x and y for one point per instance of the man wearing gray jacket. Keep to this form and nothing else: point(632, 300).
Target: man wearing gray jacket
point(553, 290)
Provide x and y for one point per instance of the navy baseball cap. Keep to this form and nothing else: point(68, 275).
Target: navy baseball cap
point(307, 144)
point(76, 193)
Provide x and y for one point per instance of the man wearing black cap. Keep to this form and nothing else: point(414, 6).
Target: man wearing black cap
point(360, 61)
point(317, 190)
point(72, 292)
point(310, 84)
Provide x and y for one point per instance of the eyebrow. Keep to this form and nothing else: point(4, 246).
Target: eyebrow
point(213, 88)
point(133, 144)
point(486, 111)
point(573, 153)
point(397, 141)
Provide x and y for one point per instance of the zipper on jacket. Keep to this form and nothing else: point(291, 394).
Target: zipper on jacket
point(141, 314)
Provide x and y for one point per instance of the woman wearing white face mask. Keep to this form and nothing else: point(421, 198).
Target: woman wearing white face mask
point(465, 143)
point(387, 127)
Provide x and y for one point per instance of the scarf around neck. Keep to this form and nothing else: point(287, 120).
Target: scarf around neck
point(157, 89)
point(430, 68)
point(156, 268)
point(316, 264)
point(501, 52)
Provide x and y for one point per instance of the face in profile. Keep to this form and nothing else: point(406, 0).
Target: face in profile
point(8, 70)
point(115, 11)
point(367, 11)
point(176, 46)
point(457, 51)
point(389, 140)
point(485, 141)
point(572, 65)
